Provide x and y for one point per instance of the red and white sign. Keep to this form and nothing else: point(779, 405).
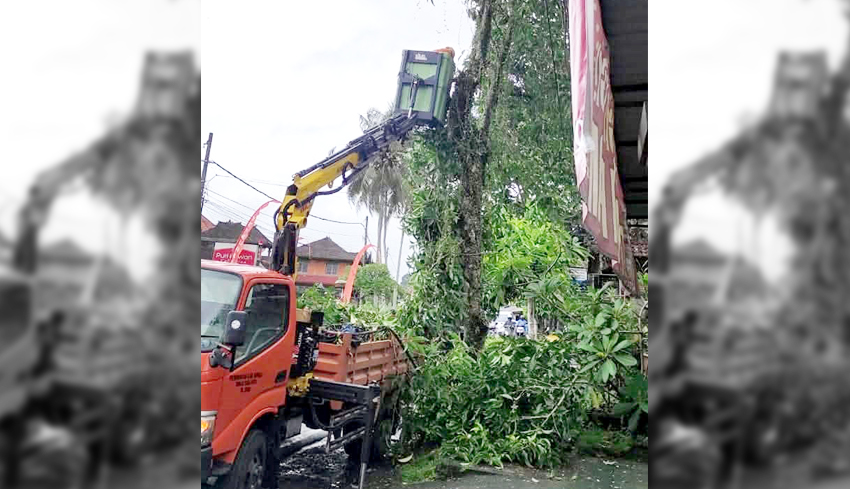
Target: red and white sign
point(248, 255)
point(595, 153)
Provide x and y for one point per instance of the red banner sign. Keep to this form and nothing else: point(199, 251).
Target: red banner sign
point(246, 257)
point(595, 153)
point(246, 231)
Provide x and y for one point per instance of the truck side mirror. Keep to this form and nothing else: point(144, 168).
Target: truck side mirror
point(234, 328)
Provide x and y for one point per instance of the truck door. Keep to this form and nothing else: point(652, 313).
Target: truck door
point(258, 379)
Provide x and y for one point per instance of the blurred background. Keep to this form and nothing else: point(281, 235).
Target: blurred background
point(99, 203)
point(749, 244)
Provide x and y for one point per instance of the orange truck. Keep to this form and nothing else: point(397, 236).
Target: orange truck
point(266, 369)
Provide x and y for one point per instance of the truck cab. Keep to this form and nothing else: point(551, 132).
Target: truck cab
point(234, 399)
point(266, 368)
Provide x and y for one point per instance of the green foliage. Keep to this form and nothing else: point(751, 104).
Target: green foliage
point(421, 469)
point(634, 400)
point(374, 280)
point(530, 201)
point(371, 315)
point(526, 401)
point(517, 400)
point(524, 249)
point(319, 298)
point(596, 441)
point(605, 341)
point(531, 145)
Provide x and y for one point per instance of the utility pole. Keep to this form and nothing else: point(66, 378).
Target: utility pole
point(204, 172)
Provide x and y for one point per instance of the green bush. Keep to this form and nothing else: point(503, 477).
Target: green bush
point(374, 280)
point(518, 400)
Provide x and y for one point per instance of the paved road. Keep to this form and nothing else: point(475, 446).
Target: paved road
point(313, 469)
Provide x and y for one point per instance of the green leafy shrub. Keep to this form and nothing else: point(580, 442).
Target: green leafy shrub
point(634, 400)
point(320, 298)
point(374, 280)
point(596, 441)
point(518, 400)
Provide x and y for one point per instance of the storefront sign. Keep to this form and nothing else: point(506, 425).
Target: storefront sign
point(224, 252)
point(595, 153)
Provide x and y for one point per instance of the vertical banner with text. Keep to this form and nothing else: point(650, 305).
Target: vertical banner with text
point(595, 152)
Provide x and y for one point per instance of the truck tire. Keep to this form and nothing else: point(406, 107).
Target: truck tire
point(354, 448)
point(249, 471)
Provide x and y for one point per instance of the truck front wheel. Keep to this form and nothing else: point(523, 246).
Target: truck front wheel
point(249, 469)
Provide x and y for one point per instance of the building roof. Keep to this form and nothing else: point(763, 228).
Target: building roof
point(206, 224)
point(324, 249)
point(229, 232)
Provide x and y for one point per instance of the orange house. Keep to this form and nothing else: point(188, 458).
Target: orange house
point(322, 262)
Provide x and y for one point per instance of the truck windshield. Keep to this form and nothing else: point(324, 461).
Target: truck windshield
point(219, 294)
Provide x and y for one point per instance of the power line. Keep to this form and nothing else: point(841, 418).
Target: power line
point(232, 213)
point(263, 182)
point(243, 181)
point(337, 222)
point(235, 212)
point(272, 198)
point(229, 214)
point(234, 201)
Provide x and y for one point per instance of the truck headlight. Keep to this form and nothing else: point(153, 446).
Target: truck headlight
point(207, 427)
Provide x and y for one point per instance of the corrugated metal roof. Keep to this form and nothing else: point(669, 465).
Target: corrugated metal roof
point(627, 29)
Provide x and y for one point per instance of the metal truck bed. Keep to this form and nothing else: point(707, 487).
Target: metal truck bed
point(367, 363)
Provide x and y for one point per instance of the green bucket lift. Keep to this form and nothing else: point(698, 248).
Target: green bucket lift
point(424, 82)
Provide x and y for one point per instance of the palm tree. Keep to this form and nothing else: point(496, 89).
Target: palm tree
point(380, 187)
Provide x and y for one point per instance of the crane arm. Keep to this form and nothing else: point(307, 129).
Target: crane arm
point(295, 207)
point(425, 81)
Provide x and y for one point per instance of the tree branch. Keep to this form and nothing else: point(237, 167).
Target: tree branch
point(496, 84)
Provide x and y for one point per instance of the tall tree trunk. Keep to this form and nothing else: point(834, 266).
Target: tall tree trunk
point(472, 145)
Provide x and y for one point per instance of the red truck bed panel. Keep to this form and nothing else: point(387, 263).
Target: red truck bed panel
point(368, 363)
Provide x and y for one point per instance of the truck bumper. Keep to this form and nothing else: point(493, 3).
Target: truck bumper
point(206, 463)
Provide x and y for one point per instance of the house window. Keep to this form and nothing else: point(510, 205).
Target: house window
point(302, 266)
point(331, 268)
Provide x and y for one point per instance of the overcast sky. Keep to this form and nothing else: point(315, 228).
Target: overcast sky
point(68, 67)
point(711, 65)
point(286, 82)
